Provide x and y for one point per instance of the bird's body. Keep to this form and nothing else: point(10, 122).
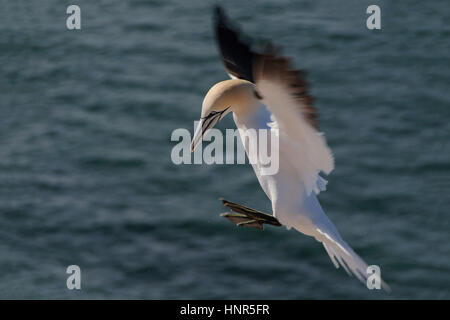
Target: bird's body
point(292, 204)
point(284, 188)
point(265, 94)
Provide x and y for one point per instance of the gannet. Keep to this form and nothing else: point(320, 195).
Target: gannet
point(264, 92)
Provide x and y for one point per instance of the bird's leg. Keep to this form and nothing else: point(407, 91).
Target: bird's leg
point(246, 217)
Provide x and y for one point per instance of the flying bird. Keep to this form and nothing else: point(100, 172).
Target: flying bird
point(265, 92)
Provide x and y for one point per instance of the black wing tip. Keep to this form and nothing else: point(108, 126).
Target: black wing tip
point(234, 50)
point(219, 15)
point(218, 10)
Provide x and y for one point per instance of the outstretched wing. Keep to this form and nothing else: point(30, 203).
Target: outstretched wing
point(285, 93)
point(236, 53)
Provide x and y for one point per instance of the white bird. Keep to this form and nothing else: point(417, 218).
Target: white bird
point(266, 93)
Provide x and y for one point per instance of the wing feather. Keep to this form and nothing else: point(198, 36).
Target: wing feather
point(303, 144)
point(285, 92)
point(275, 68)
point(236, 53)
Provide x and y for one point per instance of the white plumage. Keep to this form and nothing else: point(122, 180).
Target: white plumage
point(265, 93)
point(303, 153)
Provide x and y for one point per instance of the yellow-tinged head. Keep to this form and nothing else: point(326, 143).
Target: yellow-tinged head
point(226, 96)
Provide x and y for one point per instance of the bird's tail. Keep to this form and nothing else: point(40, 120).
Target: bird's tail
point(341, 254)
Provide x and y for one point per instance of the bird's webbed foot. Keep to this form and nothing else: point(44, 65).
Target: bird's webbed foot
point(246, 217)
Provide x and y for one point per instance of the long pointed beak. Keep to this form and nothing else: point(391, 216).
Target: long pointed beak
point(198, 135)
point(204, 124)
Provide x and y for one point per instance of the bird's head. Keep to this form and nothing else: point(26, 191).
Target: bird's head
point(224, 97)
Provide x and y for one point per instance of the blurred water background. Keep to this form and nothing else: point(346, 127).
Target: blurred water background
point(86, 176)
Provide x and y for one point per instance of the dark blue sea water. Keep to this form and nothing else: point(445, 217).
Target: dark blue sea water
point(86, 176)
